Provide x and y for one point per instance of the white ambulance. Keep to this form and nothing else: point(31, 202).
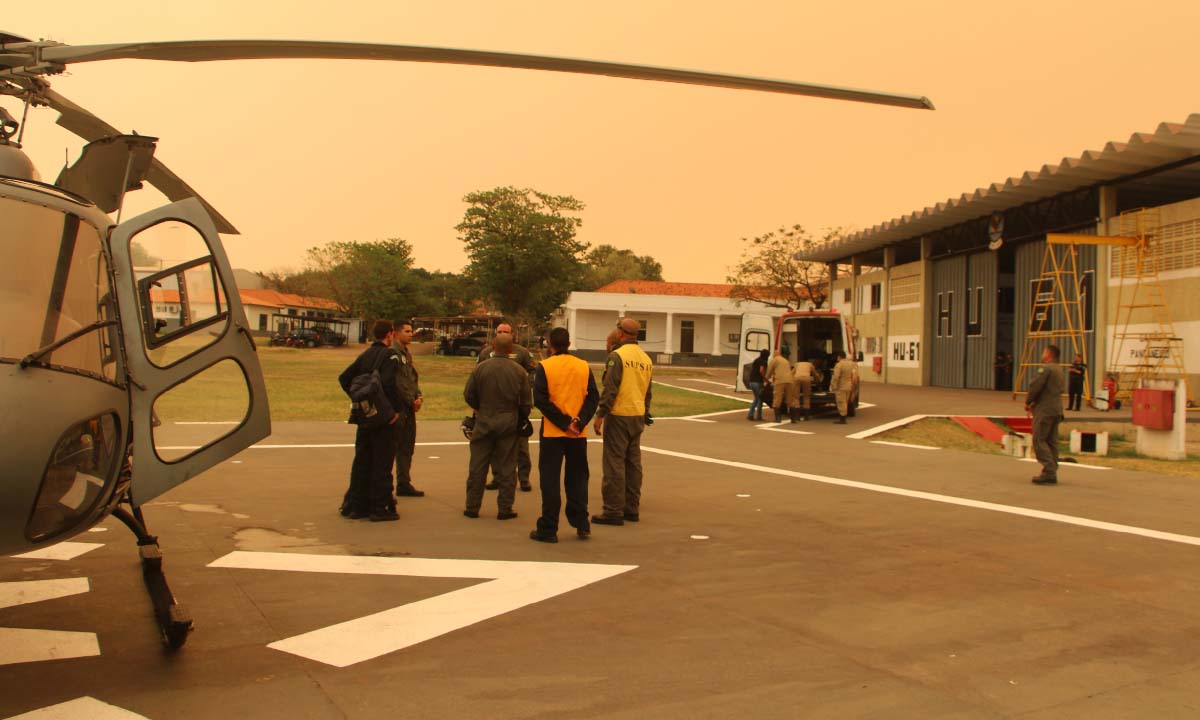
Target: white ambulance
point(813, 335)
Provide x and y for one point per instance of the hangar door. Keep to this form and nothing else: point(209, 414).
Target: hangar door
point(963, 318)
point(1029, 284)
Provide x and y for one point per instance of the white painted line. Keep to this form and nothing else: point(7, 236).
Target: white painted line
point(727, 386)
point(886, 426)
point(904, 445)
point(789, 432)
point(1062, 464)
point(215, 422)
point(84, 708)
point(320, 446)
point(31, 591)
point(60, 551)
point(699, 537)
point(947, 499)
point(512, 585)
point(867, 405)
point(704, 392)
point(97, 529)
point(21, 645)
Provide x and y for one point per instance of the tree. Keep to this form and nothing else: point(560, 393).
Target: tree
point(524, 257)
point(606, 263)
point(369, 280)
point(770, 274)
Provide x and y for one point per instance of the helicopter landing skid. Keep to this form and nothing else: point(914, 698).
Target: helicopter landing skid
point(174, 622)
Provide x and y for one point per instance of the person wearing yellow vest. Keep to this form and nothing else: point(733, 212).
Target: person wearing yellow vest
point(621, 418)
point(565, 392)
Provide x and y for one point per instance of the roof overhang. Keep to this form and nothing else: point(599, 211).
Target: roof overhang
point(1171, 144)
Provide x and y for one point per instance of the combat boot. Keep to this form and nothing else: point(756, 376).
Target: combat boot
point(778, 416)
point(840, 421)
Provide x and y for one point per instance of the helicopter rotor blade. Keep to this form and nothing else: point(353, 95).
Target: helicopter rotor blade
point(89, 127)
point(214, 50)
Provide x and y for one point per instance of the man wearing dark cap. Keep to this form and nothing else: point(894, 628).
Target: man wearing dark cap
point(1044, 403)
point(621, 418)
point(565, 391)
point(525, 359)
point(498, 391)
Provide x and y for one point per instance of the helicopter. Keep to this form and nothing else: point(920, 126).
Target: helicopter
point(86, 351)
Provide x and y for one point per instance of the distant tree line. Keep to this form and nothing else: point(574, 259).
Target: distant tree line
point(523, 260)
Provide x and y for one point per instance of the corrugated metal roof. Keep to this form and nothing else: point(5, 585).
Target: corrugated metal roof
point(1171, 142)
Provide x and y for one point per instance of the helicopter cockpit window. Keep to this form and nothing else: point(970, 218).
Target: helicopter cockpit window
point(81, 475)
point(183, 302)
point(57, 299)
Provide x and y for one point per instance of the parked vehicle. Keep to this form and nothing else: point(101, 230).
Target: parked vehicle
point(469, 344)
point(813, 335)
point(314, 336)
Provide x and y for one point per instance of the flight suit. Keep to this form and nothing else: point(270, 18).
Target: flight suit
point(779, 375)
point(499, 393)
point(1045, 398)
point(525, 359)
point(409, 390)
point(845, 373)
point(624, 405)
point(802, 382)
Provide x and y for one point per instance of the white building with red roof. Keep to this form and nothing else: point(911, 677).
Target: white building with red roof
point(682, 323)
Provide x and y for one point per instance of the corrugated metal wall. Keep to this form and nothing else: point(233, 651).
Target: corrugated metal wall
point(980, 320)
point(1029, 268)
point(947, 318)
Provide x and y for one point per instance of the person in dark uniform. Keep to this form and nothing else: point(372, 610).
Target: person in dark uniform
point(565, 391)
point(498, 391)
point(370, 491)
point(409, 390)
point(621, 418)
point(525, 359)
point(1044, 403)
point(758, 377)
point(1075, 376)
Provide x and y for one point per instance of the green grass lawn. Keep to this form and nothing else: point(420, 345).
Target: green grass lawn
point(302, 385)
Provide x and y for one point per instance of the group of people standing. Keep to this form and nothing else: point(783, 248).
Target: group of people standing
point(791, 385)
point(503, 388)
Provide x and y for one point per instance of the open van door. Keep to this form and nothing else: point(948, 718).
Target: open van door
point(196, 388)
point(758, 333)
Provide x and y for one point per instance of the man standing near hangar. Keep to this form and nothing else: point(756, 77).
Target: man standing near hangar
point(1044, 403)
point(565, 391)
point(621, 418)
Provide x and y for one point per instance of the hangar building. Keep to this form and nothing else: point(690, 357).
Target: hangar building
point(934, 304)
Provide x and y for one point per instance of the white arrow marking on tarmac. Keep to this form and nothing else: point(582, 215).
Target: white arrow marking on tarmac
point(85, 708)
point(19, 645)
point(513, 585)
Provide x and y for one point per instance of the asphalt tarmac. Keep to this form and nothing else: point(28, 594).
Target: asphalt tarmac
point(777, 572)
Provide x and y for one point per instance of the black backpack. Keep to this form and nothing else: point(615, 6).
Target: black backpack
point(371, 407)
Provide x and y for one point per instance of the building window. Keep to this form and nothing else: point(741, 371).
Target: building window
point(262, 322)
point(687, 336)
point(876, 296)
point(847, 294)
point(975, 312)
point(906, 290)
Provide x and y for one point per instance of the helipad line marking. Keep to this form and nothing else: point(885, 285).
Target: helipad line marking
point(60, 551)
point(905, 445)
point(1081, 466)
point(318, 446)
point(512, 585)
point(789, 432)
point(83, 708)
point(22, 645)
point(704, 392)
point(947, 499)
point(727, 386)
point(885, 427)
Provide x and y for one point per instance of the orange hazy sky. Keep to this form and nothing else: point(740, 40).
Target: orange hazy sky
point(299, 153)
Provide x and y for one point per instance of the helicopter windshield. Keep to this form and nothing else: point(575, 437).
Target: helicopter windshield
point(60, 286)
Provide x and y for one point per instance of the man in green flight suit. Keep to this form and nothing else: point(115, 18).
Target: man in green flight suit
point(525, 359)
point(1044, 403)
point(409, 390)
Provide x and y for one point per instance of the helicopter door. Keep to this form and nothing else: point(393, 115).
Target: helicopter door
point(197, 391)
